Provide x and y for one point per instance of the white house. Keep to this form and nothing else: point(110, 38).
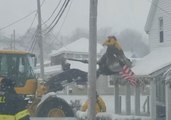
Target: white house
point(155, 64)
point(152, 67)
point(158, 25)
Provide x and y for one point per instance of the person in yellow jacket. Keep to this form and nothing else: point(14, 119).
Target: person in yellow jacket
point(12, 105)
point(100, 105)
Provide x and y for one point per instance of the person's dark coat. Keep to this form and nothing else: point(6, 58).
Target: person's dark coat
point(13, 106)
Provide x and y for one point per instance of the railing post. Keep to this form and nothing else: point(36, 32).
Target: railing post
point(168, 102)
point(148, 105)
point(137, 100)
point(153, 99)
point(128, 99)
point(117, 99)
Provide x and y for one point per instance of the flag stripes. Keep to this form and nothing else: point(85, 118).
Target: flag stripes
point(129, 75)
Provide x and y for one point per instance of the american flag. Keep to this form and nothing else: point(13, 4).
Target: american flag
point(129, 75)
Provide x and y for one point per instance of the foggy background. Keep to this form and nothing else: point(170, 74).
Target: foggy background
point(123, 18)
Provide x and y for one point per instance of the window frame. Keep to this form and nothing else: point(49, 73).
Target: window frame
point(161, 30)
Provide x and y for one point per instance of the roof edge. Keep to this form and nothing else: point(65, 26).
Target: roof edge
point(151, 16)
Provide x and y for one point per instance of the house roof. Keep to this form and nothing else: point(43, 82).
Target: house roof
point(151, 15)
point(156, 60)
point(81, 45)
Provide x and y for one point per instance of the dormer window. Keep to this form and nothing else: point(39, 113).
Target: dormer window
point(161, 33)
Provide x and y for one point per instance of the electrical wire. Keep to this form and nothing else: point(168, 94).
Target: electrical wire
point(17, 21)
point(56, 16)
point(32, 22)
point(63, 21)
point(52, 12)
point(35, 16)
point(33, 39)
point(34, 45)
point(60, 14)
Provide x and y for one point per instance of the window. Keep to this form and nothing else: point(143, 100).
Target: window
point(161, 33)
point(16, 67)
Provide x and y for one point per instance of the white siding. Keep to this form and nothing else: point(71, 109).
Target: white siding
point(163, 10)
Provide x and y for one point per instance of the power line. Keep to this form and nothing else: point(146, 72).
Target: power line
point(35, 16)
point(52, 12)
point(63, 20)
point(18, 20)
point(21, 19)
point(56, 15)
point(59, 17)
point(33, 39)
point(32, 22)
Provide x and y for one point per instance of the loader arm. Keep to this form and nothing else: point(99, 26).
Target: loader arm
point(59, 81)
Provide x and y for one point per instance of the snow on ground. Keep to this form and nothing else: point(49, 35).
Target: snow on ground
point(109, 115)
point(109, 100)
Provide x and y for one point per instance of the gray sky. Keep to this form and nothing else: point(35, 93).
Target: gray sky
point(118, 14)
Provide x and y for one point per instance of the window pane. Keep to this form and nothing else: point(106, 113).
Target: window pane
point(161, 36)
point(161, 24)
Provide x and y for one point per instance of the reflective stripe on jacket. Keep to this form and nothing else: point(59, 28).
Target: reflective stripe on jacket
point(7, 117)
point(21, 114)
point(18, 116)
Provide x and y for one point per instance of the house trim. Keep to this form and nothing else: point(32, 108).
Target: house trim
point(151, 14)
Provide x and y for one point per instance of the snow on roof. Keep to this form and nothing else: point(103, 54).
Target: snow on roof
point(80, 45)
point(154, 61)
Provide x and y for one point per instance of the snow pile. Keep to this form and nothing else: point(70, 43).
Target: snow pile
point(110, 116)
point(81, 115)
point(109, 101)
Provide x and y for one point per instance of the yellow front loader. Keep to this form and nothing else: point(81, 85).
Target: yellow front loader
point(18, 65)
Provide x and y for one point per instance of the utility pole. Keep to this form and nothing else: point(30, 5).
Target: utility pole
point(92, 60)
point(40, 40)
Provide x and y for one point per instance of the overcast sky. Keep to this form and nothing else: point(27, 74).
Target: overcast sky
point(118, 14)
